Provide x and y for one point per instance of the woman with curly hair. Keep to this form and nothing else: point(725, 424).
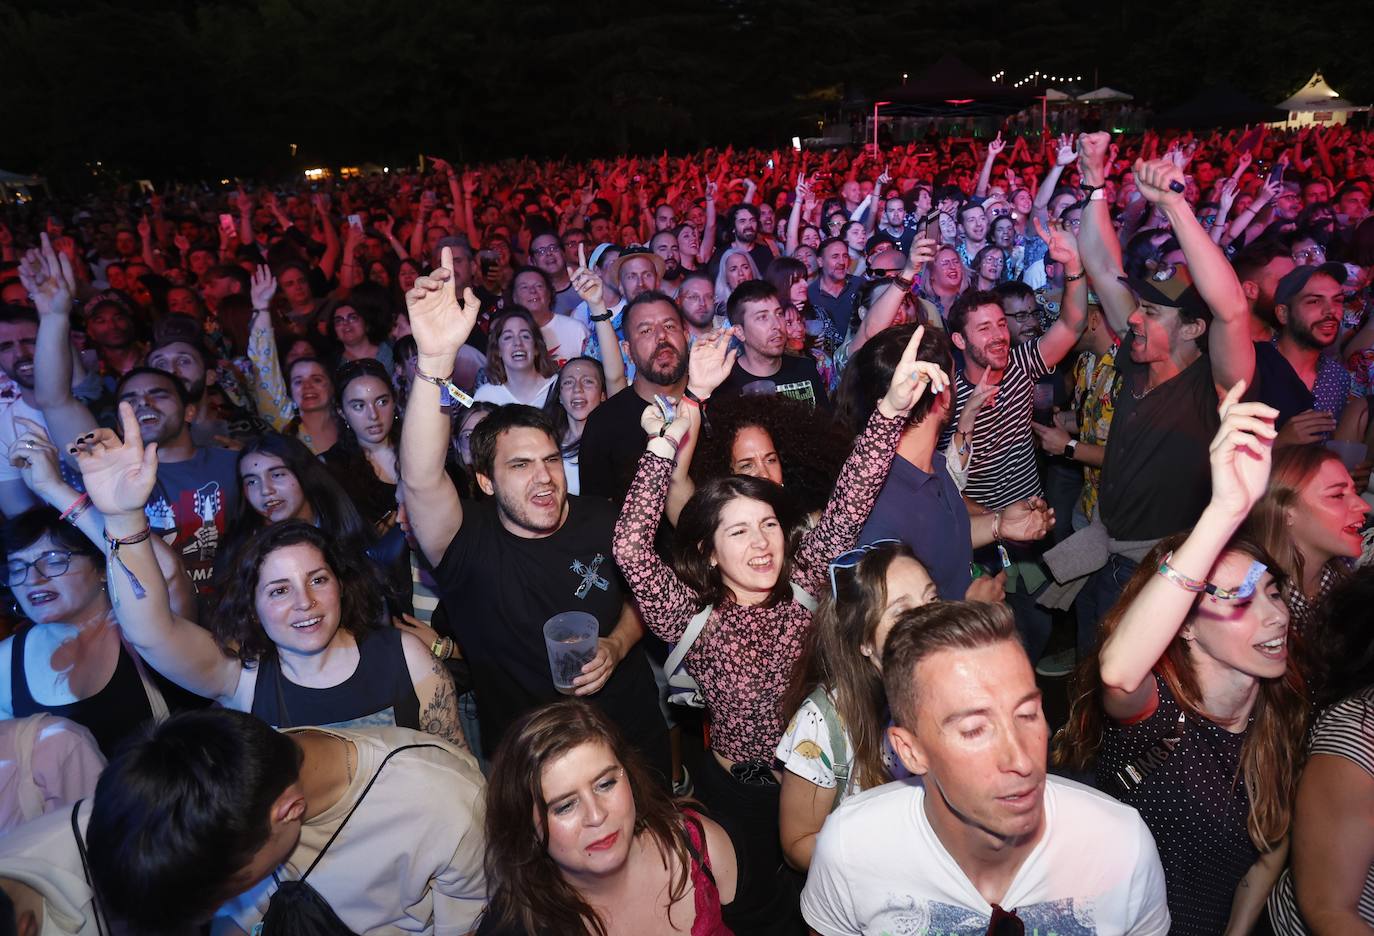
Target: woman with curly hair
point(1193, 710)
point(300, 635)
point(582, 840)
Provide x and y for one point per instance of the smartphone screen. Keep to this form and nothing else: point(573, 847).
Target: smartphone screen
point(226, 223)
point(933, 225)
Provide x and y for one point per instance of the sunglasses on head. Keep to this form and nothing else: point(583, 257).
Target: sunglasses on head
point(1005, 923)
point(850, 559)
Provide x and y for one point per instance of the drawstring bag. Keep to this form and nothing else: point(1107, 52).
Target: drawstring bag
point(296, 908)
point(682, 688)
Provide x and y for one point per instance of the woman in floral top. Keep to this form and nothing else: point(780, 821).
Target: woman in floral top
point(731, 552)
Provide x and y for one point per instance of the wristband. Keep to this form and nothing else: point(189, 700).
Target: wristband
point(602, 318)
point(1074, 277)
point(997, 526)
point(77, 508)
point(1193, 585)
point(449, 392)
point(687, 394)
point(1098, 194)
point(114, 543)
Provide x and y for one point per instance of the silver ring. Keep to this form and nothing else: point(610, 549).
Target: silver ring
point(28, 443)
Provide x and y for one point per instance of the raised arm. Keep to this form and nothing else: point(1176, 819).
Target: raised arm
point(1063, 335)
point(1064, 154)
point(1241, 455)
point(270, 392)
point(708, 233)
point(885, 309)
point(803, 191)
point(440, 326)
point(1097, 243)
point(49, 278)
point(866, 468)
point(329, 262)
point(995, 147)
point(1229, 341)
point(593, 292)
point(119, 476)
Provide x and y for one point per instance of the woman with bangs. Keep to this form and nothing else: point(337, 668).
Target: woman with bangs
point(519, 369)
point(1193, 709)
point(300, 635)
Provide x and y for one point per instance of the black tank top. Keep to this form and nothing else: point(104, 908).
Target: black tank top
point(379, 693)
point(111, 715)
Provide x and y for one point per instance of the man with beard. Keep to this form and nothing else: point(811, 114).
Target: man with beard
point(656, 343)
point(110, 328)
point(1156, 474)
point(638, 270)
point(1260, 266)
point(1293, 372)
point(743, 223)
point(756, 317)
point(197, 492)
point(835, 292)
point(546, 253)
point(697, 299)
point(664, 244)
point(179, 350)
point(526, 552)
point(893, 223)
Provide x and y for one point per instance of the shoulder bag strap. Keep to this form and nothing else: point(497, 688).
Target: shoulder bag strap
point(689, 637)
point(86, 867)
point(156, 702)
point(839, 746)
point(366, 790)
point(802, 597)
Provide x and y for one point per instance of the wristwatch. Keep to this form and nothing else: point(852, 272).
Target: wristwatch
point(1071, 448)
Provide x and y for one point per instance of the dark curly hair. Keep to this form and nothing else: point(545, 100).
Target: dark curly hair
point(236, 626)
point(811, 446)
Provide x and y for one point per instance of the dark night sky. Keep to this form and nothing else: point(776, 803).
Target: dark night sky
point(191, 88)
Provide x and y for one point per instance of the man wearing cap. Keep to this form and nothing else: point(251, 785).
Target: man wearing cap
point(1293, 372)
point(110, 327)
point(1185, 341)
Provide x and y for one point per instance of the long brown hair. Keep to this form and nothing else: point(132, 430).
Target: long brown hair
point(1294, 466)
point(523, 882)
point(496, 368)
point(844, 623)
point(1270, 756)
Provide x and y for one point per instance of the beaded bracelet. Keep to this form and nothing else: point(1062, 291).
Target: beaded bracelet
point(1178, 578)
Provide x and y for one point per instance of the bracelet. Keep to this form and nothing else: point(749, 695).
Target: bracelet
point(1075, 277)
point(449, 392)
point(442, 648)
point(1178, 578)
point(114, 543)
point(602, 318)
point(997, 526)
point(903, 281)
point(77, 508)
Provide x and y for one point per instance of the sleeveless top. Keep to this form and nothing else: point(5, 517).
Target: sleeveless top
point(119, 709)
point(380, 692)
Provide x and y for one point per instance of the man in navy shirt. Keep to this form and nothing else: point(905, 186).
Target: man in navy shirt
point(1295, 373)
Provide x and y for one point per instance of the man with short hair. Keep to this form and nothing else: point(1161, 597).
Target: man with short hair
point(834, 292)
point(564, 336)
point(893, 223)
point(18, 339)
point(755, 314)
point(179, 349)
point(1294, 373)
point(546, 253)
point(110, 328)
point(1022, 311)
point(207, 814)
point(742, 221)
point(638, 270)
point(197, 492)
point(665, 218)
point(664, 244)
point(1259, 267)
point(697, 299)
point(526, 552)
point(973, 231)
point(988, 834)
point(223, 280)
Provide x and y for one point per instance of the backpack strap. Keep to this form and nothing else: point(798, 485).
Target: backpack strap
point(839, 744)
point(802, 597)
point(366, 790)
point(86, 868)
point(689, 637)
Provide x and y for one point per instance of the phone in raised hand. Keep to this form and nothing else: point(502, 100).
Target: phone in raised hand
point(226, 224)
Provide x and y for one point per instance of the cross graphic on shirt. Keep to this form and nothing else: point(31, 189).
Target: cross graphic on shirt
point(589, 576)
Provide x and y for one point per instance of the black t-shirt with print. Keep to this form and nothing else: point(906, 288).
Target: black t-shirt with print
point(796, 378)
point(501, 588)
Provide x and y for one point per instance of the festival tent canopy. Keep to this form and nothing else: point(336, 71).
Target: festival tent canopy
point(949, 88)
point(1055, 96)
point(1317, 102)
point(1105, 95)
point(1218, 106)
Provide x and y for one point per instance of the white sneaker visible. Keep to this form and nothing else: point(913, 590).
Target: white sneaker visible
point(1057, 664)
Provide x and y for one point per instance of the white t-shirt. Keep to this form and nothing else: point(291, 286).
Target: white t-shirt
point(566, 338)
point(806, 749)
point(501, 395)
point(10, 407)
point(43, 855)
point(879, 868)
point(410, 859)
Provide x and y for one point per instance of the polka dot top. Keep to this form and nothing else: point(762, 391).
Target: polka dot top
point(1192, 799)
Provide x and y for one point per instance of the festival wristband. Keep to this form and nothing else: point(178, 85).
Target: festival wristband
point(449, 392)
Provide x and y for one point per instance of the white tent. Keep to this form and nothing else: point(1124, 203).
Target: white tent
point(1055, 96)
point(1317, 103)
point(1105, 95)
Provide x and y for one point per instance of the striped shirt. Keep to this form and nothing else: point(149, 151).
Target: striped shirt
point(1002, 470)
point(1346, 729)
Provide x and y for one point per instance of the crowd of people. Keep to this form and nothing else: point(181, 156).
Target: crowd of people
point(684, 544)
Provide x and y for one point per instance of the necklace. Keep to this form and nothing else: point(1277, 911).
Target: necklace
point(1149, 388)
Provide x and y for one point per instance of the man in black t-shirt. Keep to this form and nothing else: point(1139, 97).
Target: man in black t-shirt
point(526, 553)
point(755, 313)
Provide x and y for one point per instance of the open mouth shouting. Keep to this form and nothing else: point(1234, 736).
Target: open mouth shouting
point(1275, 649)
point(41, 596)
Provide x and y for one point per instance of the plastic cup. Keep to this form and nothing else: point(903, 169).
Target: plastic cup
point(1351, 453)
point(571, 639)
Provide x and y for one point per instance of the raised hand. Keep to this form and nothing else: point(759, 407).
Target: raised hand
point(1230, 190)
point(1154, 180)
point(440, 325)
point(1243, 163)
point(49, 279)
point(710, 361)
point(996, 145)
point(651, 420)
point(984, 394)
point(1065, 153)
point(145, 228)
point(1241, 453)
point(587, 283)
point(911, 379)
point(35, 456)
point(922, 252)
point(441, 165)
point(1062, 243)
point(262, 287)
point(1092, 156)
point(119, 475)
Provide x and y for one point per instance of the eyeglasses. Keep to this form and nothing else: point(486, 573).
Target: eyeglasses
point(880, 273)
point(547, 250)
point(850, 559)
point(1309, 253)
point(1005, 923)
point(49, 565)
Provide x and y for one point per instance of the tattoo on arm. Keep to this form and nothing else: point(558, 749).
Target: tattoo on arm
point(439, 713)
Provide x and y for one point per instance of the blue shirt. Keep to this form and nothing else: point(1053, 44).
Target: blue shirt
point(926, 511)
point(1277, 384)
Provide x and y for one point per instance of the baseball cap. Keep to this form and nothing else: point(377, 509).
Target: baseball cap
point(1175, 290)
point(180, 329)
point(1296, 280)
point(596, 254)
